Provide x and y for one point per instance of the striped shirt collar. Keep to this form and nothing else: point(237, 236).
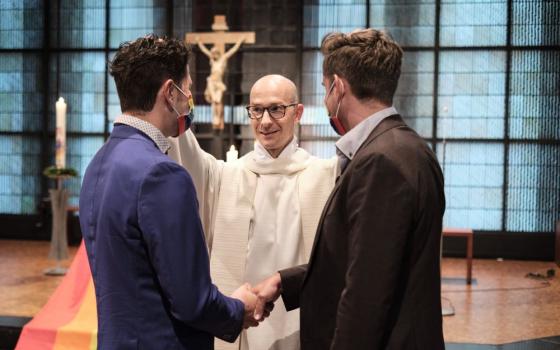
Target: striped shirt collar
point(150, 130)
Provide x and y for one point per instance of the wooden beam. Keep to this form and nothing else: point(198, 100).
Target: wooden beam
point(220, 39)
point(225, 37)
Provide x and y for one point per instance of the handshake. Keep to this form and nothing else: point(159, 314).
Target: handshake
point(258, 300)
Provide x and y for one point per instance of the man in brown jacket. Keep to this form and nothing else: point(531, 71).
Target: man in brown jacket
point(373, 278)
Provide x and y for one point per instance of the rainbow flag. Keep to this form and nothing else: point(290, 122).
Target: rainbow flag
point(69, 319)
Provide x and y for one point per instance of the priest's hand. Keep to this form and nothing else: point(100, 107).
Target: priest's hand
point(268, 291)
point(249, 300)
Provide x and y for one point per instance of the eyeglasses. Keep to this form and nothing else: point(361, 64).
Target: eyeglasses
point(274, 111)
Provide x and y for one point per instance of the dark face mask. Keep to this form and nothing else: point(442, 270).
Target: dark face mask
point(337, 125)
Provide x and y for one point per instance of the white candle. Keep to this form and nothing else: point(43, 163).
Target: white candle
point(60, 149)
point(231, 155)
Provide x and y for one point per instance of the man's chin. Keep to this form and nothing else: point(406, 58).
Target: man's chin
point(268, 145)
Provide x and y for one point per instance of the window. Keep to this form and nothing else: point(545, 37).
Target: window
point(479, 82)
point(50, 52)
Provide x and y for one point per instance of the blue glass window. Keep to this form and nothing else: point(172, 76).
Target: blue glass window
point(414, 96)
point(533, 187)
point(474, 177)
point(80, 150)
point(21, 24)
point(82, 85)
point(114, 106)
point(471, 94)
point(473, 22)
point(409, 23)
point(312, 91)
point(82, 24)
point(315, 121)
point(536, 22)
point(471, 89)
point(20, 92)
point(130, 19)
point(534, 95)
point(19, 174)
point(325, 16)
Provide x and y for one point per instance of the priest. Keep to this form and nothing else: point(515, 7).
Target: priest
point(261, 211)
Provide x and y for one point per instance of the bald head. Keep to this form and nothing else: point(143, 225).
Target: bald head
point(277, 85)
point(272, 93)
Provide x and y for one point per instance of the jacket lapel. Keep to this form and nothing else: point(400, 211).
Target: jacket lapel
point(387, 124)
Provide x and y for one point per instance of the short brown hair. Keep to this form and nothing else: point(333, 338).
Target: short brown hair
point(368, 59)
point(141, 66)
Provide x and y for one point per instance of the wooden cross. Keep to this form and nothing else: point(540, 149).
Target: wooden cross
point(219, 37)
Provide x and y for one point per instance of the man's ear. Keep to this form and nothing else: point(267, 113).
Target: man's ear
point(167, 89)
point(299, 112)
point(340, 84)
point(166, 95)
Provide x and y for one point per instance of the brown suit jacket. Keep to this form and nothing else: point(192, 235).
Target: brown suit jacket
point(373, 278)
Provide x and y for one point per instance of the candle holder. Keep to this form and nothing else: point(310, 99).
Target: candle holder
point(59, 204)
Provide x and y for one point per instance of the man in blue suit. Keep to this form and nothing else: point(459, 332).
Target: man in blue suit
point(139, 217)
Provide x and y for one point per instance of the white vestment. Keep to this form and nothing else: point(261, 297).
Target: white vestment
point(259, 215)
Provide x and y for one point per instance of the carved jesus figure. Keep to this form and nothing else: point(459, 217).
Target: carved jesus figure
point(215, 86)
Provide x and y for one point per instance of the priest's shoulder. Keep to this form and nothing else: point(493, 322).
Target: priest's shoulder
point(325, 163)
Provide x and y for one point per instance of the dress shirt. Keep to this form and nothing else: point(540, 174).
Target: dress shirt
point(147, 128)
point(348, 145)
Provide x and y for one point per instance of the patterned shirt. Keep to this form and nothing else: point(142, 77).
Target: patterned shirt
point(151, 131)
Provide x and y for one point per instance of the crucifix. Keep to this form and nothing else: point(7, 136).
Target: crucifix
point(218, 56)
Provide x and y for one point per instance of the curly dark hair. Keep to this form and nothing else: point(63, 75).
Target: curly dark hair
point(141, 66)
point(368, 59)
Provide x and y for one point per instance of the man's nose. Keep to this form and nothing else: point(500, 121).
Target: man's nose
point(266, 118)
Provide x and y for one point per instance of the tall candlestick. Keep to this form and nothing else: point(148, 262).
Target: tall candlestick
point(231, 155)
point(60, 149)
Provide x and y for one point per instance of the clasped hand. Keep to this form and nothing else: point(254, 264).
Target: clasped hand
point(258, 300)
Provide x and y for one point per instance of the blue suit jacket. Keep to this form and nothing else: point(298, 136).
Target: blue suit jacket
point(147, 253)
